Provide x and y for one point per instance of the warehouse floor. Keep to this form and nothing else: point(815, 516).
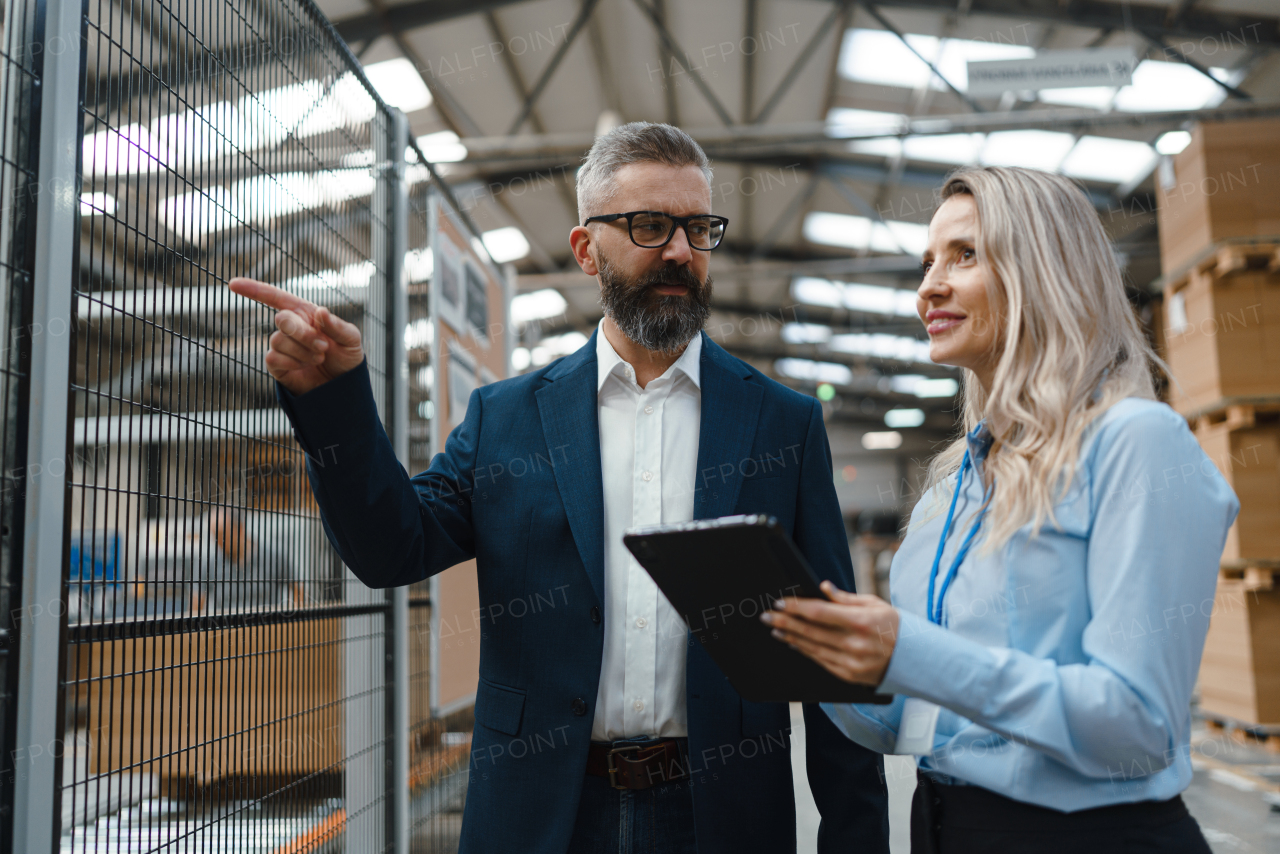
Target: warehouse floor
point(1235, 782)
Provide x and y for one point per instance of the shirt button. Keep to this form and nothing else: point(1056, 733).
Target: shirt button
point(595, 614)
point(579, 706)
point(639, 706)
point(647, 476)
point(648, 410)
point(641, 622)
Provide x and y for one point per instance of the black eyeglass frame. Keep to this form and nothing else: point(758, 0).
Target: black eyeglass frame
point(677, 222)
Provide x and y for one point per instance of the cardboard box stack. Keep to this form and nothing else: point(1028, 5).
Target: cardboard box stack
point(1219, 216)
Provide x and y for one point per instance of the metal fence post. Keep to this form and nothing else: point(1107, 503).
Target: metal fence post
point(397, 420)
point(38, 768)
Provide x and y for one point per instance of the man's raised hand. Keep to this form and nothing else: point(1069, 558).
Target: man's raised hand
point(310, 345)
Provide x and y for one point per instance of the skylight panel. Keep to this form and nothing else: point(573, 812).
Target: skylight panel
point(944, 148)
point(399, 84)
point(845, 120)
point(1103, 159)
point(1168, 86)
point(1034, 149)
point(419, 264)
point(442, 147)
point(1094, 97)
point(878, 56)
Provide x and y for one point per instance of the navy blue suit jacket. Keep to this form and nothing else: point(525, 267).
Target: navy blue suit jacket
point(518, 487)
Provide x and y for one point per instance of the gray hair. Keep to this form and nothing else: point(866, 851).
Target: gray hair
point(635, 142)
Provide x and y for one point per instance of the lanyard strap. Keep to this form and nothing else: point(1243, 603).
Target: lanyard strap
point(935, 613)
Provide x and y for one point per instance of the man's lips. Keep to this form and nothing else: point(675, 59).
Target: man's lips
point(671, 290)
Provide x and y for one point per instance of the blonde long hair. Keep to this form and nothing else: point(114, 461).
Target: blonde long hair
point(1068, 330)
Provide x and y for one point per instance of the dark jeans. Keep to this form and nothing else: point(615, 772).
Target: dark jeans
point(653, 821)
point(973, 820)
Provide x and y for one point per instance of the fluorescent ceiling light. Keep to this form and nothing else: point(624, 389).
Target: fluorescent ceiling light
point(1034, 149)
point(419, 264)
point(285, 193)
point(882, 441)
point(537, 305)
point(904, 418)
point(350, 277)
point(883, 346)
point(872, 299)
point(878, 56)
point(859, 232)
point(94, 204)
point(124, 151)
point(398, 82)
point(1173, 142)
point(1168, 86)
point(418, 334)
point(201, 212)
point(922, 386)
point(1104, 159)
point(806, 333)
point(521, 358)
point(506, 244)
point(442, 147)
point(819, 372)
point(556, 346)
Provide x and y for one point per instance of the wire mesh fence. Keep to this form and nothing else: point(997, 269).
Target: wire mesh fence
point(19, 75)
point(226, 684)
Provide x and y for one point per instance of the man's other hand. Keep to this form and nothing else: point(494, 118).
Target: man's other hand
point(310, 346)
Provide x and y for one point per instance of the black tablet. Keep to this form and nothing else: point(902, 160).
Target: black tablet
point(721, 574)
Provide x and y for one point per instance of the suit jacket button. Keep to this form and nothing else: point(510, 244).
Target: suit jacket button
point(595, 614)
point(579, 706)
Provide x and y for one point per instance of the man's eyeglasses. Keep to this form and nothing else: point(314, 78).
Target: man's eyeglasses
point(654, 229)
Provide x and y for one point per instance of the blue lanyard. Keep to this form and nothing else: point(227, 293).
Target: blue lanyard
point(936, 614)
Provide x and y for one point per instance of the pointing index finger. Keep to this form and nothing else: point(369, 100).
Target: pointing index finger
point(270, 295)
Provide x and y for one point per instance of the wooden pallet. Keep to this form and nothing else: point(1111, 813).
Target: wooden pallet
point(1256, 574)
point(1236, 412)
point(1223, 259)
point(1263, 737)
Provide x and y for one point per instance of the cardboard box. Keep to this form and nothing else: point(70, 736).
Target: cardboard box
point(1225, 184)
point(1246, 449)
point(1240, 669)
point(1222, 329)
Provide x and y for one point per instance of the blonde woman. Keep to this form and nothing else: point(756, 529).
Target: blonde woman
point(1053, 590)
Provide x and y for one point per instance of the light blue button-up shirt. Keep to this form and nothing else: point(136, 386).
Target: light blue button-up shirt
point(1066, 668)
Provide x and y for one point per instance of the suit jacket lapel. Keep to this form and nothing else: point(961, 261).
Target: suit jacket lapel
point(571, 426)
point(730, 412)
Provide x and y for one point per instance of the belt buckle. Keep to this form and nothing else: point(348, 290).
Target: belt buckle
point(613, 769)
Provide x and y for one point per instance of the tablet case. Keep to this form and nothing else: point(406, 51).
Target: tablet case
point(721, 574)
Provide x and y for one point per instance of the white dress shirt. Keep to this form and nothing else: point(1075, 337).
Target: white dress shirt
point(648, 460)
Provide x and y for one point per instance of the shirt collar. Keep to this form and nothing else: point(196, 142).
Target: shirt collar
point(608, 361)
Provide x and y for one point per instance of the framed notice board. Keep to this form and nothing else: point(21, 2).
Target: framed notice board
point(469, 301)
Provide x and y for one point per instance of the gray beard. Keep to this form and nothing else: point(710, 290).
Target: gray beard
point(660, 322)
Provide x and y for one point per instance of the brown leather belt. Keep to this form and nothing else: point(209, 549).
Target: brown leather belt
point(643, 765)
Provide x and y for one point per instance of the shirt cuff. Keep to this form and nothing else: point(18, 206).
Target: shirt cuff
point(329, 414)
point(934, 664)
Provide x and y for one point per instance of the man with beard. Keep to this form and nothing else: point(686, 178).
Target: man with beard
point(599, 727)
